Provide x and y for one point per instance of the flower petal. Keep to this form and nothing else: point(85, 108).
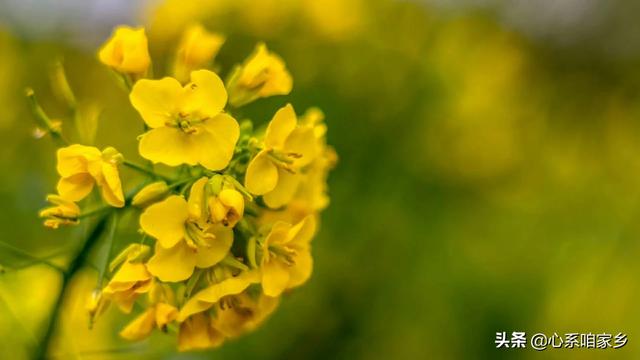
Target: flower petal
point(204, 299)
point(301, 271)
point(140, 327)
point(172, 264)
point(171, 146)
point(111, 186)
point(301, 234)
point(197, 333)
point(275, 277)
point(196, 198)
point(75, 187)
point(165, 220)
point(205, 95)
point(218, 247)
point(165, 314)
point(262, 174)
point(281, 125)
point(278, 235)
point(74, 159)
point(302, 142)
point(217, 151)
point(155, 100)
point(284, 190)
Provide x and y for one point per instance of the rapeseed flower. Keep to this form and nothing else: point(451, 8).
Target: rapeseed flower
point(233, 211)
point(197, 48)
point(81, 167)
point(126, 51)
point(262, 74)
point(185, 240)
point(64, 212)
point(288, 146)
point(286, 256)
point(187, 123)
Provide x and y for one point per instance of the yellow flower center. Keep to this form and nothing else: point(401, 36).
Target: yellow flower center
point(186, 122)
point(195, 236)
point(283, 160)
point(283, 253)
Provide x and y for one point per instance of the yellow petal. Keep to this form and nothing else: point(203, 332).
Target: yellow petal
point(233, 203)
point(281, 125)
point(204, 299)
point(198, 46)
point(165, 220)
point(279, 234)
point(74, 159)
point(75, 187)
point(275, 277)
point(172, 264)
point(126, 51)
point(217, 151)
point(285, 189)
point(301, 271)
point(165, 314)
point(172, 146)
point(150, 193)
point(140, 327)
point(197, 333)
point(156, 100)
point(196, 198)
point(262, 174)
point(205, 95)
point(301, 234)
point(302, 142)
point(245, 316)
point(280, 83)
point(128, 273)
point(112, 187)
point(218, 247)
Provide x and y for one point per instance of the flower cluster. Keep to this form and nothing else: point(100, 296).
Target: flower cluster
point(228, 228)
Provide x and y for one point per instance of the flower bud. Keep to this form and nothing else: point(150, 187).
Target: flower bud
point(263, 74)
point(64, 212)
point(197, 48)
point(150, 194)
point(126, 51)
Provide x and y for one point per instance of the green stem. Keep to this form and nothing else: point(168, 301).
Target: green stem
point(25, 254)
point(94, 212)
point(74, 266)
point(43, 118)
point(144, 170)
point(110, 237)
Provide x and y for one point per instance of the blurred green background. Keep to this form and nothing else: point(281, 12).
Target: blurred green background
point(488, 178)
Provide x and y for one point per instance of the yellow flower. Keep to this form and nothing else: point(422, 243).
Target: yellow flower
point(184, 239)
point(198, 333)
point(197, 48)
point(157, 316)
point(311, 195)
point(131, 280)
point(286, 256)
point(245, 314)
point(80, 167)
point(64, 212)
point(227, 207)
point(216, 201)
point(261, 75)
point(187, 123)
point(288, 147)
point(216, 293)
point(126, 51)
point(150, 194)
